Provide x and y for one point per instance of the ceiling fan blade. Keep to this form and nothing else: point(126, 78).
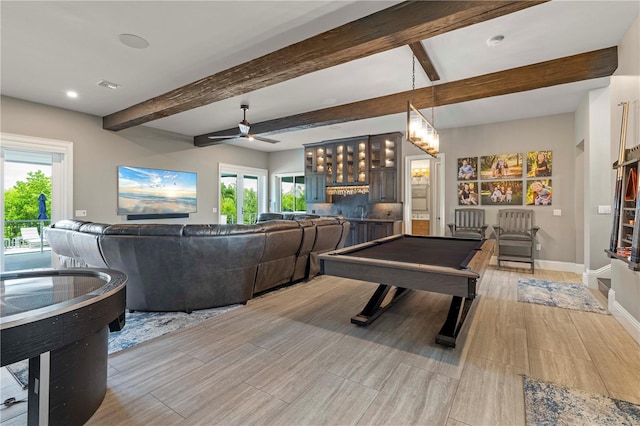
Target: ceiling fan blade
point(260, 138)
point(220, 141)
point(226, 137)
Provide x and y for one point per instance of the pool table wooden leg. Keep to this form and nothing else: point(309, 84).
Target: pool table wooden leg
point(374, 307)
point(455, 319)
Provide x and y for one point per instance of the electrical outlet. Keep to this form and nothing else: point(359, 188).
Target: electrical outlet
point(81, 213)
point(215, 210)
point(538, 247)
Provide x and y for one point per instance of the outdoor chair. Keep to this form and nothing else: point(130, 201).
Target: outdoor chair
point(31, 237)
point(468, 223)
point(516, 236)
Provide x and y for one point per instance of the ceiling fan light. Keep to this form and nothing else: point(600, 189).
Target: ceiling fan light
point(244, 128)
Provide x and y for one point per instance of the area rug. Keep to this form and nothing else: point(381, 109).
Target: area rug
point(561, 295)
point(139, 327)
point(549, 404)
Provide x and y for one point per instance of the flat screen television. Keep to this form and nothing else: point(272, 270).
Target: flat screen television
point(143, 191)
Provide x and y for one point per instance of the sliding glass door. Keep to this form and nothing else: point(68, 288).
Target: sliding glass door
point(242, 194)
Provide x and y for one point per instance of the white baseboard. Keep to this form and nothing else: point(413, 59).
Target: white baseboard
point(627, 321)
point(590, 277)
point(550, 265)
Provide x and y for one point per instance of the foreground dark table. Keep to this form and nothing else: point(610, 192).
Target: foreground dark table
point(439, 264)
point(59, 319)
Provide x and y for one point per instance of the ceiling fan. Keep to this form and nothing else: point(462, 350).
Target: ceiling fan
point(244, 127)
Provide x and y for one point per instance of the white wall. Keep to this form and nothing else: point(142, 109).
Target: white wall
point(98, 152)
point(598, 181)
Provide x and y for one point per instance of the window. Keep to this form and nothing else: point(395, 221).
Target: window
point(292, 193)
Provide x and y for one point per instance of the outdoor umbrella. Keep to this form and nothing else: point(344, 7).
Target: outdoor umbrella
point(42, 207)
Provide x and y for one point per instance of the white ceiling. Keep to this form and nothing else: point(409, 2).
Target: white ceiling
point(50, 47)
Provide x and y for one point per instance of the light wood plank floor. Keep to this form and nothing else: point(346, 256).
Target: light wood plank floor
point(292, 357)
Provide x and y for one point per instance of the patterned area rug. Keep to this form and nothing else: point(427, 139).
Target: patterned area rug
point(139, 327)
point(549, 404)
point(561, 295)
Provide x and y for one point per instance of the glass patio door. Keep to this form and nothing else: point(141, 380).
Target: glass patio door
point(33, 171)
point(242, 194)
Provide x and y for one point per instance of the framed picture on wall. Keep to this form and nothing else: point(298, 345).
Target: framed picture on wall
point(502, 166)
point(539, 192)
point(539, 163)
point(468, 168)
point(503, 193)
point(468, 194)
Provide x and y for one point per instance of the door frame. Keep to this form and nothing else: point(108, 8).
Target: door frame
point(437, 195)
point(262, 175)
point(61, 173)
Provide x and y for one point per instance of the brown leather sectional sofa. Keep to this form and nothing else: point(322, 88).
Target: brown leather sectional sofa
point(188, 267)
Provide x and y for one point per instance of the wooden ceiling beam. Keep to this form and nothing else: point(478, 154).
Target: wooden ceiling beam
point(404, 23)
point(423, 59)
point(570, 69)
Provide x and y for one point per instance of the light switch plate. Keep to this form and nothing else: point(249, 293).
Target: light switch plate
point(557, 212)
point(604, 209)
point(81, 213)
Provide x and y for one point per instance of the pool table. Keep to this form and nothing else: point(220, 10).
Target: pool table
point(439, 264)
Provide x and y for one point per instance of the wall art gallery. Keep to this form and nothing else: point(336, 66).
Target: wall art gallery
point(511, 179)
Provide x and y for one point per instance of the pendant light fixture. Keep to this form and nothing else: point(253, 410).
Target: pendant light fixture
point(421, 132)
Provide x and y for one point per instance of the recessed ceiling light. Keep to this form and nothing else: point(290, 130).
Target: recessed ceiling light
point(72, 94)
point(134, 41)
point(495, 40)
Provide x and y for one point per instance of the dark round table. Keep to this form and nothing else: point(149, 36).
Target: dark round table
point(59, 319)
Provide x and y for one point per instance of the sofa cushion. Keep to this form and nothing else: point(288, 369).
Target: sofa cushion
point(73, 225)
point(144, 229)
point(93, 228)
point(302, 261)
point(329, 233)
point(263, 217)
point(217, 230)
point(278, 260)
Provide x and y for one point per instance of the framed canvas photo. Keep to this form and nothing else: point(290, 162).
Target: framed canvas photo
point(502, 166)
point(468, 194)
point(539, 163)
point(539, 192)
point(468, 168)
point(503, 193)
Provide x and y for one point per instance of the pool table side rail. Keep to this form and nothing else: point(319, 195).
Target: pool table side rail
point(480, 261)
point(439, 279)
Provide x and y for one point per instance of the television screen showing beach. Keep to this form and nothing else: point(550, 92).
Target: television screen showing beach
point(153, 191)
